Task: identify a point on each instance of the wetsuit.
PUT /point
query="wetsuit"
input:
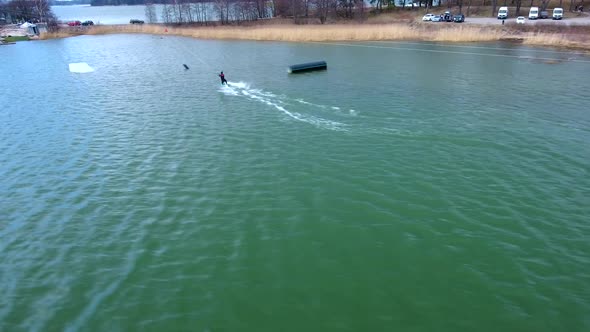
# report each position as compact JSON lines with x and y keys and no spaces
{"x":223,"y":80}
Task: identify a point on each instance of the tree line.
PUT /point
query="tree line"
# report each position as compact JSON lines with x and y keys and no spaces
{"x":32,"y":11}
{"x":236,"y":11}
{"x":119,"y":2}
{"x":304,"y":10}
{"x":68,"y":2}
{"x":207,"y":11}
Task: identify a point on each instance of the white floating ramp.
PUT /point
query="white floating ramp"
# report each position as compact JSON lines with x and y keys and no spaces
{"x":80,"y":67}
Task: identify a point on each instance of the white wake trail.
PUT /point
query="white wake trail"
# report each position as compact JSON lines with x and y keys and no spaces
{"x":270,"y":99}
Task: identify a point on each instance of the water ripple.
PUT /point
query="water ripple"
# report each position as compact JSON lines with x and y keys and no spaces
{"x":145,"y":196}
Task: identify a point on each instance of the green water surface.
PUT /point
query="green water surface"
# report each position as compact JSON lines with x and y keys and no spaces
{"x":410,"y":187}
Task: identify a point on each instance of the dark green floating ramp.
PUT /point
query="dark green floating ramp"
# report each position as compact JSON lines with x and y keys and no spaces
{"x":310,"y":66}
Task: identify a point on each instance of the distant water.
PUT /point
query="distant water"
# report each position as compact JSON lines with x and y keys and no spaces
{"x":410,"y":187}
{"x":103,"y":14}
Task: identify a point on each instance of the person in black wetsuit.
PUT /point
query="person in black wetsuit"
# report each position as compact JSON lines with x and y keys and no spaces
{"x":223,"y":80}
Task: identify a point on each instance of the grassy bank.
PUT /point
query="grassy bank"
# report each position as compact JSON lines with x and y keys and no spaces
{"x":13,"y":39}
{"x":576,"y":38}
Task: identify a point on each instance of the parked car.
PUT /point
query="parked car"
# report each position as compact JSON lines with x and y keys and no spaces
{"x":86,"y":23}
{"x":534,"y":13}
{"x":544,"y":14}
{"x":503,"y":13}
{"x":557,"y":13}
{"x":459,"y":18}
{"x":74,"y":23}
{"x":520,"y":20}
{"x":448,"y":17}
{"x":436,"y":19}
{"x":134,"y":21}
{"x":428,"y":17}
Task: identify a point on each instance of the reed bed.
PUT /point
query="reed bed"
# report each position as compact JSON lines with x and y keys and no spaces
{"x":342,"y":32}
{"x":556,"y":40}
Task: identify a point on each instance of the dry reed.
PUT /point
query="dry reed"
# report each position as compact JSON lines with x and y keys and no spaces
{"x":341,"y":32}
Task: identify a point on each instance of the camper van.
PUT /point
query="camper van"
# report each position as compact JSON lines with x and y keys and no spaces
{"x":503,"y":13}
{"x":557,"y":13}
{"x":534,"y":13}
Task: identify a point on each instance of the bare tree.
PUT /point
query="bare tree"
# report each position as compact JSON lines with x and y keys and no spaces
{"x":44,"y":14}
{"x":4,"y":14}
{"x":518,"y":4}
{"x":167,"y":13}
{"x":360,"y":9}
{"x":202,"y":11}
{"x":323,"y":8}
{"x":244,"y":10}
{"x":150,"y":13}
{"x":306,"y":5}
{"x":41,"y":9}
{"x":348,"y":7}
{"x":177,"y":12}
{"x":29,"y":11}
{"x":222,"y":7}
{"x":281,"y":8}
{"x":297,"y":10}
{"x":261,"y":8}
{"x":21,"y":10}
{"x":185,"y":9}
{"x":34,"y":11}
{"x":378,"y":4}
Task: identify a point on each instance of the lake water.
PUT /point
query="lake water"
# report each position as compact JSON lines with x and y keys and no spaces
{"x":410,"y":187}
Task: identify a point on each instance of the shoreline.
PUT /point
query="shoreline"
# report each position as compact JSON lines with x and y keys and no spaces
{"x":573,"y":37}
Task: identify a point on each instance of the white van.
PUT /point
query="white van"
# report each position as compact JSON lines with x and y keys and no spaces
{"x":557,"y":13}
{"x":503,"y":13}
{"x":534,"y":13}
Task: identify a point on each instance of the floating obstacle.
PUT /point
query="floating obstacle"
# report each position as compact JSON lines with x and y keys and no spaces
{"x":80,"y":67}
{"x":310,"y":66}
{"x":185,"y":66}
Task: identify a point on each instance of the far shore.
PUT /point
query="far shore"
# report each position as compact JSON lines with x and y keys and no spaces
{"x":574,"y":37}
